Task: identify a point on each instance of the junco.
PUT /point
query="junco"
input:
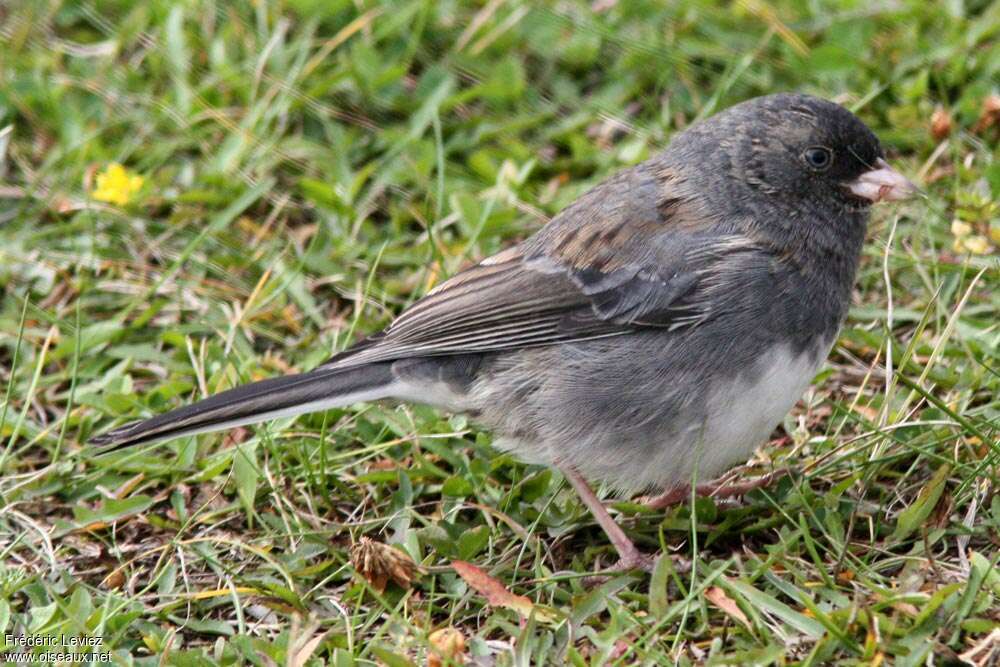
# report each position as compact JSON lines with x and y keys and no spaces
{"x":660,"y":325}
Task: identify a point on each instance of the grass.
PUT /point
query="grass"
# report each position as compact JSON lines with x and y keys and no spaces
{"x":308,"y":168}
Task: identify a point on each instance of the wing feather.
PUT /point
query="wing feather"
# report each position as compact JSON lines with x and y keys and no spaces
{"x":629,"y":254}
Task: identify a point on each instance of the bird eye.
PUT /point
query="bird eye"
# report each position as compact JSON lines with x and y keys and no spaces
{"x":818,"y":157}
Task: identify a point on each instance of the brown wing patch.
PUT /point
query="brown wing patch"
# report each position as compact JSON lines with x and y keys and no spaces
{"x":626,"y":254}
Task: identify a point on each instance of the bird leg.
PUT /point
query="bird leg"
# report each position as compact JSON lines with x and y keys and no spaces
{"x":630,"y":558}
{"x":714,"y":489}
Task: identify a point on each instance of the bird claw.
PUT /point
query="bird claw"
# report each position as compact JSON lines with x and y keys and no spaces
{"x":717,"y":490}
{"x":635,"y":561}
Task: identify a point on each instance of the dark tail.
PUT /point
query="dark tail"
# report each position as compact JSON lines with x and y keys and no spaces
{"x":285,"y":396}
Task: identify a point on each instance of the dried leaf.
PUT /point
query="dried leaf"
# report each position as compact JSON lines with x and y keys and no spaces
{"x":941,"y":123}
{"x":114,"y":580}
{"x":495,"y":592}
{"x":990,"y":115}
{"x":868,"y":412}
{"x":378,"y":562}
{"x":446,"y":644}
{"x":383,"y":464}
{"x":846,"y":576}
{"x":718,"y":597}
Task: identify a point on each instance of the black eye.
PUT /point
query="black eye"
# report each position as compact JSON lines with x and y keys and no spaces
{"x":818,"y":157}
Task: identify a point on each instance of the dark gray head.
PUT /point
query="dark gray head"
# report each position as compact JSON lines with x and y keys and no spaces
{"x":810,"y":154}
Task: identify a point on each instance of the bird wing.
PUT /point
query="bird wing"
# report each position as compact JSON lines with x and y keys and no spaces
{"x":628,"y":254}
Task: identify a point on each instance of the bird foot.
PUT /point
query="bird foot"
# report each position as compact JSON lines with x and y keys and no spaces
{"x":635,"y":561}
{"x":712,"y":489}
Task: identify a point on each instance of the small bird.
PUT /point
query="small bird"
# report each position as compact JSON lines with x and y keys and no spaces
{"x":656,"y":329}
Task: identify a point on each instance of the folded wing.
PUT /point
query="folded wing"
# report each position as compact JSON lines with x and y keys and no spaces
{"x":628,"y":254}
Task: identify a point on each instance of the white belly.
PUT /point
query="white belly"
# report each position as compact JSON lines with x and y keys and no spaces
{"x":743,"y":413}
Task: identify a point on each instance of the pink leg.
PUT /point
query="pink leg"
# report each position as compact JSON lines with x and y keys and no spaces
{"x":714,"y":489}
{"x":630,"y":557}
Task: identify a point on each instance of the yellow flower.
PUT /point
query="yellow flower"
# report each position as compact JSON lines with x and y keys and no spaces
{"x":960,"y":229}
{"x":116,"y":185}
{"x":977,"y":245}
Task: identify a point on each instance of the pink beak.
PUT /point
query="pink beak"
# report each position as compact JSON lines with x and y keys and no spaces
{"x":883,"y":183}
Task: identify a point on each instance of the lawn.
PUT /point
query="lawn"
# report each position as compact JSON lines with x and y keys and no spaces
{"x":196,"y":194}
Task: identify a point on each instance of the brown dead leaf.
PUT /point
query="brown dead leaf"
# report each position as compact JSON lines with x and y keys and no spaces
{"x":868,"y":412}
{"x":990,"y":115}
{"x":941,"y":123}
{"x":906,"y":608}
{"x":93,"y":527}
{"x":446,"y":644}
{"x":720,"y":599}
{"x":495,"y":592}
{"x":383,"y":464}
{"x":114,"y":580}
{"x":378,"y":562}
